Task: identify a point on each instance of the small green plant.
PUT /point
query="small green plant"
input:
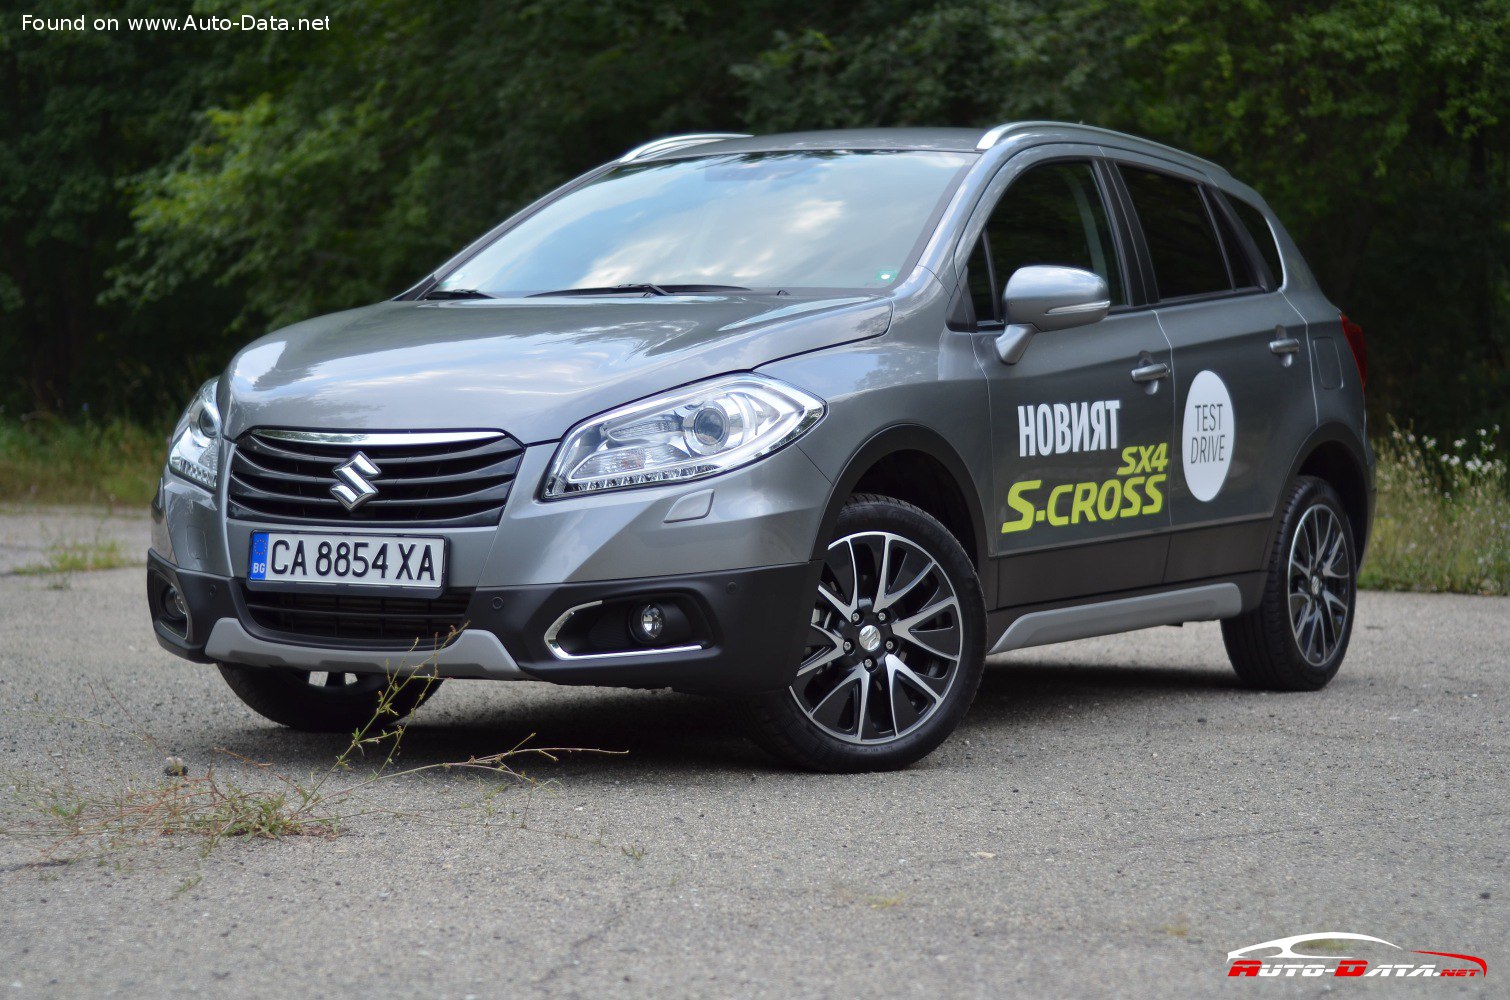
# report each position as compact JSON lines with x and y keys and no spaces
{"x":77,"y":821}
{"x":73,"y":821}
{"x":81,"y":557}
{"x":1443,"y":519}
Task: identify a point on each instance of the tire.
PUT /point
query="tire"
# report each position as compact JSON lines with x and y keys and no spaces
{"x":326,"y":703}
{"x":1296,"y":638}
{"x":842,"y":715}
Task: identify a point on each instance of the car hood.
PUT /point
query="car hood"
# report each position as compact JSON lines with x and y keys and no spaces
{"x":532,"y":368}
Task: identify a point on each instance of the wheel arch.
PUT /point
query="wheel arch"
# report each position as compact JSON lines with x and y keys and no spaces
{"x":917,"y":465}
{"x":1337,"y":455}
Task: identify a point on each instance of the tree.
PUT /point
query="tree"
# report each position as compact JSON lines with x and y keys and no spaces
{"x":411,"y":129}
{"x":164,"y":196}
{"x":1376,"y":129}
{"x":82,"y":111}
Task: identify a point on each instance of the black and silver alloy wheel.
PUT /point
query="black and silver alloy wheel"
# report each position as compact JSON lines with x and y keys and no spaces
{"x":1321,"y":583}
{"x":884,"y":641}
{"x":894,"y":648}
{"x":1297,"y":636}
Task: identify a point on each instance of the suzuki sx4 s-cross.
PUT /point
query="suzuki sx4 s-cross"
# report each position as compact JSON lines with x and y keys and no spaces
{"x":814,"y":421}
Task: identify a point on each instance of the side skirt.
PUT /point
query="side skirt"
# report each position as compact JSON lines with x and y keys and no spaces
{"x":1082,"y":621}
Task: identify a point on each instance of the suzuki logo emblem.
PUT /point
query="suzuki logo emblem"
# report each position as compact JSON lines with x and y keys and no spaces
{"x":353,"y":490}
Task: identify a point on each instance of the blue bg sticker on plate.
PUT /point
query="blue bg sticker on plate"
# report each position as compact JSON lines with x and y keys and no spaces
{"x":258,"y":568}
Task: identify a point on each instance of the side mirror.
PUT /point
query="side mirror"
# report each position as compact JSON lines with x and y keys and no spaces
{"x":1045,"y":297}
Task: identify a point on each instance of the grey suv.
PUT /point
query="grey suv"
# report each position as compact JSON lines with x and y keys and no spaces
{"x":816,"y":421}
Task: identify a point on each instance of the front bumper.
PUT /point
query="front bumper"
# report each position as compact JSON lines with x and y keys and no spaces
{"x":733,"y":552}
{"x":749,"y":636}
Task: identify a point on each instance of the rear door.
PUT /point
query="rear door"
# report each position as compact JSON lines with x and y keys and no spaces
{"x":1243,"y":401}
{"x":1080,"y":447}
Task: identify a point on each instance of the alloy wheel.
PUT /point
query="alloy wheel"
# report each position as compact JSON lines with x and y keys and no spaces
{"x":884,"y":640}
{"x":1321,"y":583}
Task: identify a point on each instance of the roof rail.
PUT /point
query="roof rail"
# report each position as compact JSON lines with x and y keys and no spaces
{"x":995,"y":135}
{"x":677,"y":142}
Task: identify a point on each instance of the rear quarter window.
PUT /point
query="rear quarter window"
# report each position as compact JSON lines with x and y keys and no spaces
{"x":1186,"y":255}
{"x":1263,"y":237}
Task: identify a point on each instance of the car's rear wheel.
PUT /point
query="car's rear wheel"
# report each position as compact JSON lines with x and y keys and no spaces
{"x":895,"y":646}
{"x":320,"y":702}
{"x":1296,"y":638}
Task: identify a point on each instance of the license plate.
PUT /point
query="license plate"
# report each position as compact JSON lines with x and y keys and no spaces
{"x":362,"y":560}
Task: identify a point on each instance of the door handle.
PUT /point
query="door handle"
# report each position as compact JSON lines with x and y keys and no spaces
{"x":1285,"y":345}
{"x":1150,"y":373}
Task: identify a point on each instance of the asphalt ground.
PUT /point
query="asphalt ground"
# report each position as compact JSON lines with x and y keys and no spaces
{"x":1113,"y":818}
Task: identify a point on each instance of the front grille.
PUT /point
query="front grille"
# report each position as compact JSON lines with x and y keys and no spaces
{"x":441,"y":479}
{"x":397,"y":623}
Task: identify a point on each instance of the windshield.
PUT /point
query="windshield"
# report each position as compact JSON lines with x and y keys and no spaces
{"x":786,"y":220}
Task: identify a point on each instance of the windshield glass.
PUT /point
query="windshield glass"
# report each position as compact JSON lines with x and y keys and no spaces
{"x":785,"y":220}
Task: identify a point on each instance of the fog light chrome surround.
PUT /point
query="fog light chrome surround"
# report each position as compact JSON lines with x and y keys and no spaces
{"x":553,"y":635}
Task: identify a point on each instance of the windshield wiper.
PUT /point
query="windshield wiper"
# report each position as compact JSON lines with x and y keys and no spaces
{"x":456,"y":293}
{"x":646,"y":287}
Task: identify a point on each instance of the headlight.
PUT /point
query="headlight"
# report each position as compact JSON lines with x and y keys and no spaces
{"x":195,"y":449}
{"x":682,"y":435}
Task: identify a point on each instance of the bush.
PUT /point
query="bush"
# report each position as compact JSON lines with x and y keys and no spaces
{"x":45,"y":460}
{"x":1443,"y":522}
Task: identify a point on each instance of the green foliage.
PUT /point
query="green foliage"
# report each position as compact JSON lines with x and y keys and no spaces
{"x":166,"y":196}
{"x":51,"y":461}
{"x":1378,"y":131}
{"x":82,"y":112}
{"x":1443,"y":522}
{"x":414,"y":128}
{"x":966,"y":62}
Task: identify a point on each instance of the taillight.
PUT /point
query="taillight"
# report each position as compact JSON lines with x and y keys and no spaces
{"x":1354,"y":334}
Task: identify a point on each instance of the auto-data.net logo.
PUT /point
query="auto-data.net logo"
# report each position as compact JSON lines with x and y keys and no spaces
{"x":1286,"y":961}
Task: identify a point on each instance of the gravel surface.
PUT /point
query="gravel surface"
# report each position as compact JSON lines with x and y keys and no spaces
{"x":1114,"y":817}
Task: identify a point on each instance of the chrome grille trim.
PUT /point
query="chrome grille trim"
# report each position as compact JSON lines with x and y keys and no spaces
{"x":379,"y":439}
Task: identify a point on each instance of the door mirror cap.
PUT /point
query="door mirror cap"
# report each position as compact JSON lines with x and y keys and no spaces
{"x":1043,"y":297}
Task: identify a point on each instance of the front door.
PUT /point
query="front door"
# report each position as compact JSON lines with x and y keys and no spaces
{"x":1081,"y":448}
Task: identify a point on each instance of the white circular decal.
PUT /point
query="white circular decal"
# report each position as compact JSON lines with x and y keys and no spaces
{"x":1210,"y":430}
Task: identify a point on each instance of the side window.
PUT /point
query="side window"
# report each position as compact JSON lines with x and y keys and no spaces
{"x":1187,"y":259}
{"x":1053,"y":214}
{"x":1263,"y":237}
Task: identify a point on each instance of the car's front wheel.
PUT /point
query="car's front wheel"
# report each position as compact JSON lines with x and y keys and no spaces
{"x":318,"y":702}
{"x":895,"y":646}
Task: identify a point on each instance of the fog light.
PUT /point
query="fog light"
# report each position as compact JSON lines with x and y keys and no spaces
{"x":174,"y":608}
{"x":649,"y":622}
